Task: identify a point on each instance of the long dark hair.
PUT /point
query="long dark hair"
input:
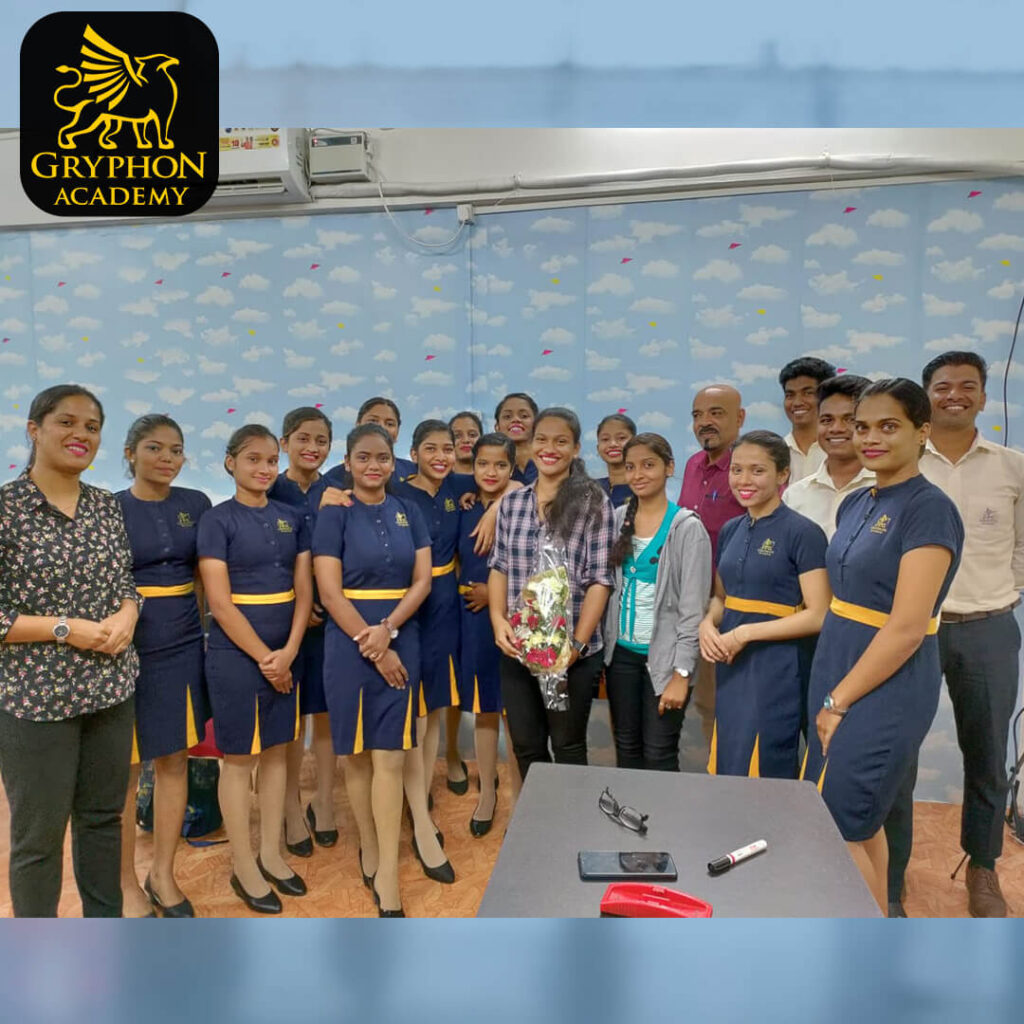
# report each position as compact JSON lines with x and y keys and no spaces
{"x":663,"y":450}
{"x":578,"y":495}
{"x":142,"y":428}
{"x":47,"y":400}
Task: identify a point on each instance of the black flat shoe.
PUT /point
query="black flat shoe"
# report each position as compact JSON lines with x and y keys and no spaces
{"x":442,"y":873}
{"x":462,"y":787}
{"x":326,"y":838}
{"x":381,"y":912}
{"x":367,"y":879}
{"x":269,"y":904}
{"x":182,"y":909}
{"x":293,"y":886}
{"x":480,"y":828}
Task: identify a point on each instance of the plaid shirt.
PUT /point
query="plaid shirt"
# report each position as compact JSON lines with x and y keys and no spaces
{"x":588,"y":548}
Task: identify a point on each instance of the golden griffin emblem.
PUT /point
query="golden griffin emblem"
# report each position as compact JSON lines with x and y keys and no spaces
{"x":117,"y":89}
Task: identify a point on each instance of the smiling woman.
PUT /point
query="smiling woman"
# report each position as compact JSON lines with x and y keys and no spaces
{"x":68,"y":609}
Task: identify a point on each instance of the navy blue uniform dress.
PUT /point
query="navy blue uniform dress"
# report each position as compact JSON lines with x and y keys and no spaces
{"x":479,"y":657}
{"x":309,"y":663}
{"x":526,"y":475}
{"x":260,"y":546}
{"x":171,"y":703}
{"x":439,"y":614}
{"x":377,"y":547}
{"x":760,"y":698}
{"x":875,"y":743}
{"x":619,"y":493}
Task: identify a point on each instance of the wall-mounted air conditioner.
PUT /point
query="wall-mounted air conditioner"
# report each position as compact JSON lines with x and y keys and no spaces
{"x":337,"y":156}
{"x":263,"y":165}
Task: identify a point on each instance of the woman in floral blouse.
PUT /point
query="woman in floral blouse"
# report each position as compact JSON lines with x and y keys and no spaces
{"x":68,"y":608}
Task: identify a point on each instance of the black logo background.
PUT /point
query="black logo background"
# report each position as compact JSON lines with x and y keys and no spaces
{"x":193,"y":128}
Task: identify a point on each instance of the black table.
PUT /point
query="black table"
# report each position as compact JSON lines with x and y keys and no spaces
{"x":805,"y":872}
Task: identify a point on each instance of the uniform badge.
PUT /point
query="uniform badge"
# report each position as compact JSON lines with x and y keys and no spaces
{"x":989,"y":517}
{"x":400,"y":519}
{"x":184,"y":519}
{"x":283,"y":526}
{"x":881,"y":524}
{"x":449,"y":505}
{"x":767,"y":547}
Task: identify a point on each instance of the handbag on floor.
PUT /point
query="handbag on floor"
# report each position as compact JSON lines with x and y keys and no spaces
{"x":202,"y":811}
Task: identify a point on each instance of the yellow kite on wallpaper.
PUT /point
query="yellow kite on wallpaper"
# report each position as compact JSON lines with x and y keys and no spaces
{"x":143,"y":88}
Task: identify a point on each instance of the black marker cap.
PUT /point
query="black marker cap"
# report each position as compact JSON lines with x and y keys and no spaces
{"x":719,"y":866}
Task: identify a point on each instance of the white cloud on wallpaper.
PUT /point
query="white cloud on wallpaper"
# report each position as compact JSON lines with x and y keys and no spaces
{"x":307,"y":391}
{"x":640,"y":383}
{"x":722,"y":229}
{"x":880,"y":303}
{"x":7,"y":294}
{"x":770,"y":254}
{"x":165,"y":296}
{"x":433,"y":234}
{"x":438,"y":271}
{"x":758,"y":216}
{"x":761,"y":293}
{"x":832,"y":284}
{"x":170,"y":260}
{"x":556,"y":264}
{"x":1004,"y":242}
{"x":957,"y":220}
{"x":141,"y":376}
{"x":173,"y":357}
{"x":557,"y":336}
{"x":304,"y":330}
{"x":87,"y":291}
{"x":431,"y":307}
{"x":491,"y":284}
{"x":51,"y":304}
{"x":747,"y":373}
{"x":815,"y":318}
{"x":543,"y":301}
{"x":385,"y":255}
{"x":648,"y":230}
{"x":13,"y":324}
{"x":597,"y":361}
{"x":303,"y":287}
{"x":1013,"y":201}
{"x":553,"y":225}
{"x":652,"y":305}
{"x":10,"y":261}
{"x":12,"y":359}
{"x":764,"y":335}
{"x":654,"y":421}
{"x":953,"y":342}
{"x":613,"y":284}
{"x":84,"y":323}
{"x":718,"y":316}
{"x":340,"y":379}
{"x":256,"y":352}
{"x":242,"y":247}
{"x":654,"y":348}
{"x":210,"y":368}
{"x":880,"y":258}
{"x":832,"y":353}
{"x":888,"y":218}
{"x":832,"y":234}
{"x":215,"y":296}
{"x":957,"y":270}
{"x":137,"y":240}
{"x":1006,"y":289}
{"x":991,"y":330}
{"x":254,"y":282}
{"x":439,"y":343}
{"x":297,"y":361}
{"x":935,"y":306}
{"x":213,"y":259}
{"x":616,"y":244}
{"x":610,"y":212}
{"x":718,"y":270}
{"x":248,"y":315}
{"x":552,"y":373}
{"x":383,"y":292}
{"x":699,"y":350}
{"x":182,"y":327}
{"x":611,"y":329}
{"x":867,"y":341}
{"x":763,"y":412}
{"x":346,"y":346}
{"x":54,"y":343}
{"x":660,"y":268}
{"x":339,"y":307}
{"x":332,"y":239}
{"x":218,"y":336}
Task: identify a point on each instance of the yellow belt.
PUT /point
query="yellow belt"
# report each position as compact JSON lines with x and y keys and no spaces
{"x":179,"y":590}
{"x":375,"y":595}
{"x":743,"y":604}
{"x":282,"y":597}
{"x":443,"y":570}
{"x":869,"y":617}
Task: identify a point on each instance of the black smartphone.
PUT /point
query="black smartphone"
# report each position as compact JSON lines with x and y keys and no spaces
{"x":639,"y":866}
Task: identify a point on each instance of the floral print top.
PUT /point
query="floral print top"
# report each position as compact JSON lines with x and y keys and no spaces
{"x":52,"y":565}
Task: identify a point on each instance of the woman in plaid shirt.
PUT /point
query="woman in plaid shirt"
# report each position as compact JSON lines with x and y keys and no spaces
{"x":566,"y":503}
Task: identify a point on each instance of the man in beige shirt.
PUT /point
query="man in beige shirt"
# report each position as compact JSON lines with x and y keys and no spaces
{"x":979,"y":640}
{"x":819,"y":495}
{"x":799,"y":379}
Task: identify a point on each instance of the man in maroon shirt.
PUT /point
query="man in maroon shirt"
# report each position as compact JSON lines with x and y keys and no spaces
{"x":718,"y":415}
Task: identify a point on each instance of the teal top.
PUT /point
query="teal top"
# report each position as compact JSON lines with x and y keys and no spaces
{"x":639,"y":576}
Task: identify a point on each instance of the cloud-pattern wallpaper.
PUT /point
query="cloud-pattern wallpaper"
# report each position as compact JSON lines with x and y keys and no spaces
{"x":627,"y":307}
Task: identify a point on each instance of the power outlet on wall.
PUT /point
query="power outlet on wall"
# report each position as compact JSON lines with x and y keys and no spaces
{"x":465,"y":213}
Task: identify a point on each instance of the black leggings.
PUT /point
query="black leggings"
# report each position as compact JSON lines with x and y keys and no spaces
{"x":531,"y":725}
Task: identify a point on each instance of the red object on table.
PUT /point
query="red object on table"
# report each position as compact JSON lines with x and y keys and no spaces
{"x":206,"y":747}
{"x":641,"y":899}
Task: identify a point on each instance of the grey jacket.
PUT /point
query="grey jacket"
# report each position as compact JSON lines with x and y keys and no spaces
{"x":681,"y":596}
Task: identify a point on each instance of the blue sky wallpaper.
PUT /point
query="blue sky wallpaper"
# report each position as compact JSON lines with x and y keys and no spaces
{"x":617,"y":307}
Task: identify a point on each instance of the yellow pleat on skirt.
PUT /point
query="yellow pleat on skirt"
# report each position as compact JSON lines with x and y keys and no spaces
{"x":298,"y":717}
{"x":257,"y":746}
{"x":407,"y":732}
{"x":754,"y":769}
{"x":191,"y":734}
{"x":357,"y":746}
{"x":135,"y":747}
{"x":476,"y":696}
{"x":453,"y":685}
{"x":423,"y":703}
{"x":713,"y":755}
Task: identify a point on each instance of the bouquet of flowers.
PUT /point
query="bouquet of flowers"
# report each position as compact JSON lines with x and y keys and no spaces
{"x":543,"y":624}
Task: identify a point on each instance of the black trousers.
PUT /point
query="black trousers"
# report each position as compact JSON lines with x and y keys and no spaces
{"x":643,"y":738}
{"x":980,"y":662}
{"x":75,"y":769}
{"x":531,"y":726}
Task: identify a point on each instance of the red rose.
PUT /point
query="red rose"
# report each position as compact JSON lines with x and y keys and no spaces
{"x":560,"y":622}
{"x":516,"y":620}
{"x":532,"y":621}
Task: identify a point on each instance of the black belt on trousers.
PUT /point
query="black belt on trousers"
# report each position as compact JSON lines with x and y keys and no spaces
{"x":975,"y":616}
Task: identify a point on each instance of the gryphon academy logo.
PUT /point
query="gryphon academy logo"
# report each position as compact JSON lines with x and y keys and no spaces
{"x":119,"y":114}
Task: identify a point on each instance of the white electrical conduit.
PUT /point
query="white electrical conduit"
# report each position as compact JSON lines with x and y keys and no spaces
{"x":824,"y":164}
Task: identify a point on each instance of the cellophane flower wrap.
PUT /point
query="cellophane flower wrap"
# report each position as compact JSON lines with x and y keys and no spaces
{"x":543,"y":623}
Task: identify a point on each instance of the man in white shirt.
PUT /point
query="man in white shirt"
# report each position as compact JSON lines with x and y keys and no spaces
{"x":979,"y":640}
{"x":799,"y":380}
{"x":819,"y":495}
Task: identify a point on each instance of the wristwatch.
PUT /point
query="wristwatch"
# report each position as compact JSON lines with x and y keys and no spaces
{"x":832,"y":707}
{"x":580,"y":647}
{"x":392,"y":632}
{"x":61,"y":631}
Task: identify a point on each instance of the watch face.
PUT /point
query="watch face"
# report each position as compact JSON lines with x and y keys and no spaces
{"x":62,"y":631}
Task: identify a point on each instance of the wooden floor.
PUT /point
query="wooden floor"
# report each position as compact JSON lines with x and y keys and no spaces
{"x":336,"y":889}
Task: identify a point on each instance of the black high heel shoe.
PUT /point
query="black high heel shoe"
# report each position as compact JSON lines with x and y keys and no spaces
{"x":460,"y":788}
{"x":381,"y":912}
{"x":328,"y":837}
{"x":367,"y":879}
{"x":303,"y":848}
{"x":182,"y":909}
{"x":442,"y":873}
{"x":269,"y":904}
{"x":480,"y":828}
{"x":293,"y":886}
